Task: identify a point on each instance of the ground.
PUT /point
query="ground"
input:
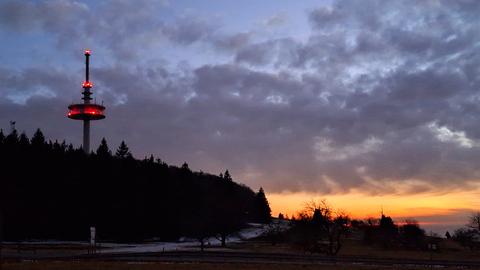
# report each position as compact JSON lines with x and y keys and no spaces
{"x":186,"y":255}
{"x":448,"y":250}
{"x":183,"y":266}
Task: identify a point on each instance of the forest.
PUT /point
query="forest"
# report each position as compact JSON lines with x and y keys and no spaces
{"x":52,"y":190}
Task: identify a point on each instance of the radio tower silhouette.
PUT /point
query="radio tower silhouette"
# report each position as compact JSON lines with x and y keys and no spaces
{"x":86,"y":111}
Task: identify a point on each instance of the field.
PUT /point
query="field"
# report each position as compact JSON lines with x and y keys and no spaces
{"x":448,"y":250}
{"x":239,"y":256}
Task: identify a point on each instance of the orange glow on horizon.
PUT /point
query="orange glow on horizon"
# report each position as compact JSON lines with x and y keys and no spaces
{"x":361,"y":206}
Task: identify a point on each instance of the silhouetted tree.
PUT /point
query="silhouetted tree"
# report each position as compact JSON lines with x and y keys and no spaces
{"x":231,"y":215}
{"x":318,"y":230}
{"x":57,"y":147}
{"x":448,"y":235}
{"x":381,"y":231}
{"x":12,"y":138}
{"x":411,"y":235}
{"x":103,"y":151}
{"x":23,"y":140}
{"x":150,"y":160}
{"x":199,"y":225}
{"x":474,"y":221}
{"x":261,"y":211}
{"x":467,"y":238}
{"x":275,"y":232}
{"x":370,"y":229}
{"x":227,"y":176}
{"x":387,"y":231}
{"x":38,"y":140}
{"x":123,"y":151}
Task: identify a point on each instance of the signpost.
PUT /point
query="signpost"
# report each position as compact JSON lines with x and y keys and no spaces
{"x":92,"y":240}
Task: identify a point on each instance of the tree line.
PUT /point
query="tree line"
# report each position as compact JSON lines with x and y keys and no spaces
{"x":469,"y":236}
{"x":318,"y":228}
{"x":52,"y":190}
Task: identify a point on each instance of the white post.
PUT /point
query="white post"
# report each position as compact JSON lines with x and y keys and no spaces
{"x":92,"y":240}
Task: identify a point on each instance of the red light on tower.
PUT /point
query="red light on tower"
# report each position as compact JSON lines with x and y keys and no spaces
{"x":86,"y":111}
{"x":87,"y":84}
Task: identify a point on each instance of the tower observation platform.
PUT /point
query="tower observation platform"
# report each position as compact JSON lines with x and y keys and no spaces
{"x":86,"y":111}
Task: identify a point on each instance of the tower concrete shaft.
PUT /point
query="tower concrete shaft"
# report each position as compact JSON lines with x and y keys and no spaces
{"x":86,"y":136}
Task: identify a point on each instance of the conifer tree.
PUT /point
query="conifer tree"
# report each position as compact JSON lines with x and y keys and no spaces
{"x":38,"y":139}
{"x":70,"y":148}
{"x":12,"y":138}
{"x":23,"y":141}
{"x":57,"y":146}
{"x":261,"y":208}
{"x":103,"y":150}
{"x":388,"y":231}
{"x":227,"y":176}
{"x":123,"y":151}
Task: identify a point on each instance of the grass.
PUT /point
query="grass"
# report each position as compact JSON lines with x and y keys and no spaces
{"x":448,"y":250}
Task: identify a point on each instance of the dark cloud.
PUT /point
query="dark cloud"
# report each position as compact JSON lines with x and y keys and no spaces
{"x":189,"y":30}
{"x":233,"y":42}
{"x":256,"y":54}
{"x":17,"y":15}
{"x":380,"y":97}
{"x":120,"y":27}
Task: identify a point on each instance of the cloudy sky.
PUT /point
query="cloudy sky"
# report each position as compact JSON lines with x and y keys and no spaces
{"x":375,"y":102}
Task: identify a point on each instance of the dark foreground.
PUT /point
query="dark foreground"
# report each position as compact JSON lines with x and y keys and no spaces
{"x":56,"y":265}
{"x":226,"y":260}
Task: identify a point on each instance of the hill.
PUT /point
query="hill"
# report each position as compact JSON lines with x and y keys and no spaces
{"x":51,"y":190}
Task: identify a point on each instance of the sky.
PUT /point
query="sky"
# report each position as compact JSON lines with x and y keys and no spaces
{"x":369,"y":104}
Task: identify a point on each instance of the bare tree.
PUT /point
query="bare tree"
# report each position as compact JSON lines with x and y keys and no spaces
{"x":469,"y":236}
{"x":474,"y":221}
{"x":275,"y":231}
{"x":466,"y":238}
{"x":320,"y":229}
